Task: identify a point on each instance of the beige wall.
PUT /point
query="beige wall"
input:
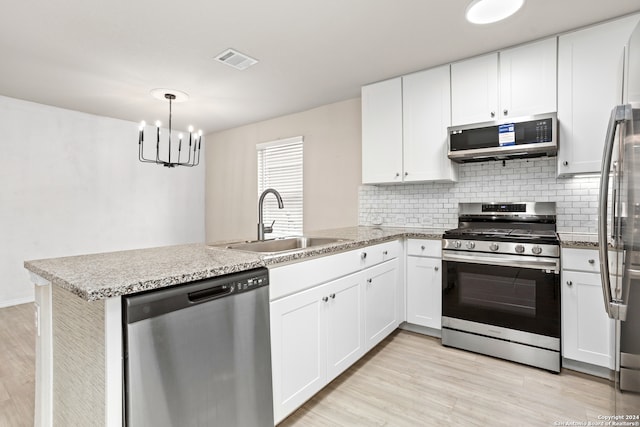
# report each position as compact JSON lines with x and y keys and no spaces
{"x":332,"y":170}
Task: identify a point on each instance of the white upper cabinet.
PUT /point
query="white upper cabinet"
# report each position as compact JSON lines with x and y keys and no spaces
{"x":382,"y":132}
{"x":404,"y":129}
{"x":474,"y":90}
{"x":514,"y":82}
{"x":590,"y":75}
{"x":528,"y":79}
{"x":426,"y":114}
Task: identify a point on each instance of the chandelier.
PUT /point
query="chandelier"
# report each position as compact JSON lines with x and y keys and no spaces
{"x":191,"y":157}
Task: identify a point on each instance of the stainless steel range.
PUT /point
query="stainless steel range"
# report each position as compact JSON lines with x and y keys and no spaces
{"x":501,"y":282}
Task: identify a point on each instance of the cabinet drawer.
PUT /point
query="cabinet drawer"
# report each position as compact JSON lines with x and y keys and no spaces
{"x":581,"y":260}
{"x":424,"y":247}
{"x":584,"y":260}
{"x":372,"y":255}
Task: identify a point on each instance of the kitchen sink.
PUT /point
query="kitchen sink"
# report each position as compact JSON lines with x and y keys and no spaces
{"x":281,"y":245}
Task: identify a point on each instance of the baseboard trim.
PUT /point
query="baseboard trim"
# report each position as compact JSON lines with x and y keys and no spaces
{"x":16,"y":301}
{"x":588,"y":368}
{"x":421,"y":329}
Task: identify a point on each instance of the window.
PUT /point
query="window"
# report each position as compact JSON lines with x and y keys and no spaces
{"x":280,"y":168}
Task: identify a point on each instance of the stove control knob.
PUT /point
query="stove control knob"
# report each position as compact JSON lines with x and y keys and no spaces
{"x":519,"y":249}
{"x":471,"y":245}
{"x":537,"y":250}
{"x":457,"y":244}
{"x":493,"y":247}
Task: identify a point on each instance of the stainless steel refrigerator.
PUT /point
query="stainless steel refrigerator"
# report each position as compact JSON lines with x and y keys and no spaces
{"x":619,"y":231}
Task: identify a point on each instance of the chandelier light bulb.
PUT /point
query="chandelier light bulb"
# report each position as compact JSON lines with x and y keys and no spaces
{"x":142,"y":125}
{"x":190,"y":129}
{"x":158,"y":123}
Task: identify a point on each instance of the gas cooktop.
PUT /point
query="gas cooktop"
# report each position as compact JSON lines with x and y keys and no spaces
{"x":512,"y":233}
{"x":526,"y":222}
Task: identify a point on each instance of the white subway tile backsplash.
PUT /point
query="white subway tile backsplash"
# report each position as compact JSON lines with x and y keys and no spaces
{"x":436,"y":204}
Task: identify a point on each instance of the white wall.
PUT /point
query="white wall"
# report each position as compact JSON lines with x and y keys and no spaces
{"x":71,"y":184}
{"x":332,"y":171}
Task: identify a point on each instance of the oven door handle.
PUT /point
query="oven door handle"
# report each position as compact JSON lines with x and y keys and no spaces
{"x":546,"y":264}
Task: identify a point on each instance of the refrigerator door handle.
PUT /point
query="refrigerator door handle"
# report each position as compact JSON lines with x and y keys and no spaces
{"x":619,"y":115}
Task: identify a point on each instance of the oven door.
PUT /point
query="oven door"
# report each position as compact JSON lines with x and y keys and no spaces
{"x":509,"y":291}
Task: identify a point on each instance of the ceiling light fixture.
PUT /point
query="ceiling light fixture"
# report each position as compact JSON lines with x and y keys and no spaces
{"x":195,"y":139}
{"x":490,"y":11}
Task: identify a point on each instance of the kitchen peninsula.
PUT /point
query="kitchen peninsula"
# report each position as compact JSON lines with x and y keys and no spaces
{"x":79,"y":343}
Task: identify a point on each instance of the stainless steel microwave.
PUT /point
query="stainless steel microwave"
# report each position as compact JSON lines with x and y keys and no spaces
{"x":530,"y":136}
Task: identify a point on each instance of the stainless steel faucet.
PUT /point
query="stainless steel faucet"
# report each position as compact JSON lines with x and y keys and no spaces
{"x":262,"y":229}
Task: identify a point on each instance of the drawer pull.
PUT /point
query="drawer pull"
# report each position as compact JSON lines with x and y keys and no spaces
{"x":591,"y":261}
{"x":363,"y":255}
{"x":333,"y":296}
{"x":325,"y":299}
{"x":423,"y":247}
{"x":385,"y":253}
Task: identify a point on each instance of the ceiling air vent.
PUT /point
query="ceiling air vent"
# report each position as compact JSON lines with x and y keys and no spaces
{"x":235,"y":59}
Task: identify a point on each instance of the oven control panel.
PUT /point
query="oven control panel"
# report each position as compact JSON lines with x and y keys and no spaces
{"x":521,"y":248}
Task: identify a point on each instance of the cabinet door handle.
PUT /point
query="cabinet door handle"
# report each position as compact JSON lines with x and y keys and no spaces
{"x":363,"y":255}
{"x":333,"y":296}
{"x":406,"y":173}
{"x":569,"y":283}
{"x":397,"y":174}
{"x":505,"y":112}
{"x":369,"y":280}
{"x":565,"y":163}
{"x":592,"y":261}
{"x":493,"y":114}
{"x":436,"y":268}
{"x":325,"y":299}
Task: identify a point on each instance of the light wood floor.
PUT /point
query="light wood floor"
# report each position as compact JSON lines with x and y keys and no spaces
{"x":408,"y":380}
{"x":412,"y":380}
{"x":17,"y":365}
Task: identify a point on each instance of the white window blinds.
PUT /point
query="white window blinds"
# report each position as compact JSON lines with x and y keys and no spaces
{"x":280,"y":168}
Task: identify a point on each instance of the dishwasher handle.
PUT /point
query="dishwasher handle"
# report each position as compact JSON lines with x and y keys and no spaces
{"x":209,"y":294}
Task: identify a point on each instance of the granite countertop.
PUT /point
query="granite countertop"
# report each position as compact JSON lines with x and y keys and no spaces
{"x":104,"y":275}
{"x":578,"y":240}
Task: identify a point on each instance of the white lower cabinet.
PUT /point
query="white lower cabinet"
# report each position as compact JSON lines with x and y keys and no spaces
{"x":298,"y":346}
{"x":319,"y":332}
{"x":315,"y":335}
{"x":587,"y":331}
{"x":344,"y":324}
{"x":424,"y":283}
{"x":381,"y":304}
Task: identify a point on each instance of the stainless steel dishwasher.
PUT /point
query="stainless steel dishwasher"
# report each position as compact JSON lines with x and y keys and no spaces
{"x":199,"y":354}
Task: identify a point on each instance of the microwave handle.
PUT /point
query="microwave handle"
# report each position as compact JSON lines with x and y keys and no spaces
{"x":619,"y":115}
